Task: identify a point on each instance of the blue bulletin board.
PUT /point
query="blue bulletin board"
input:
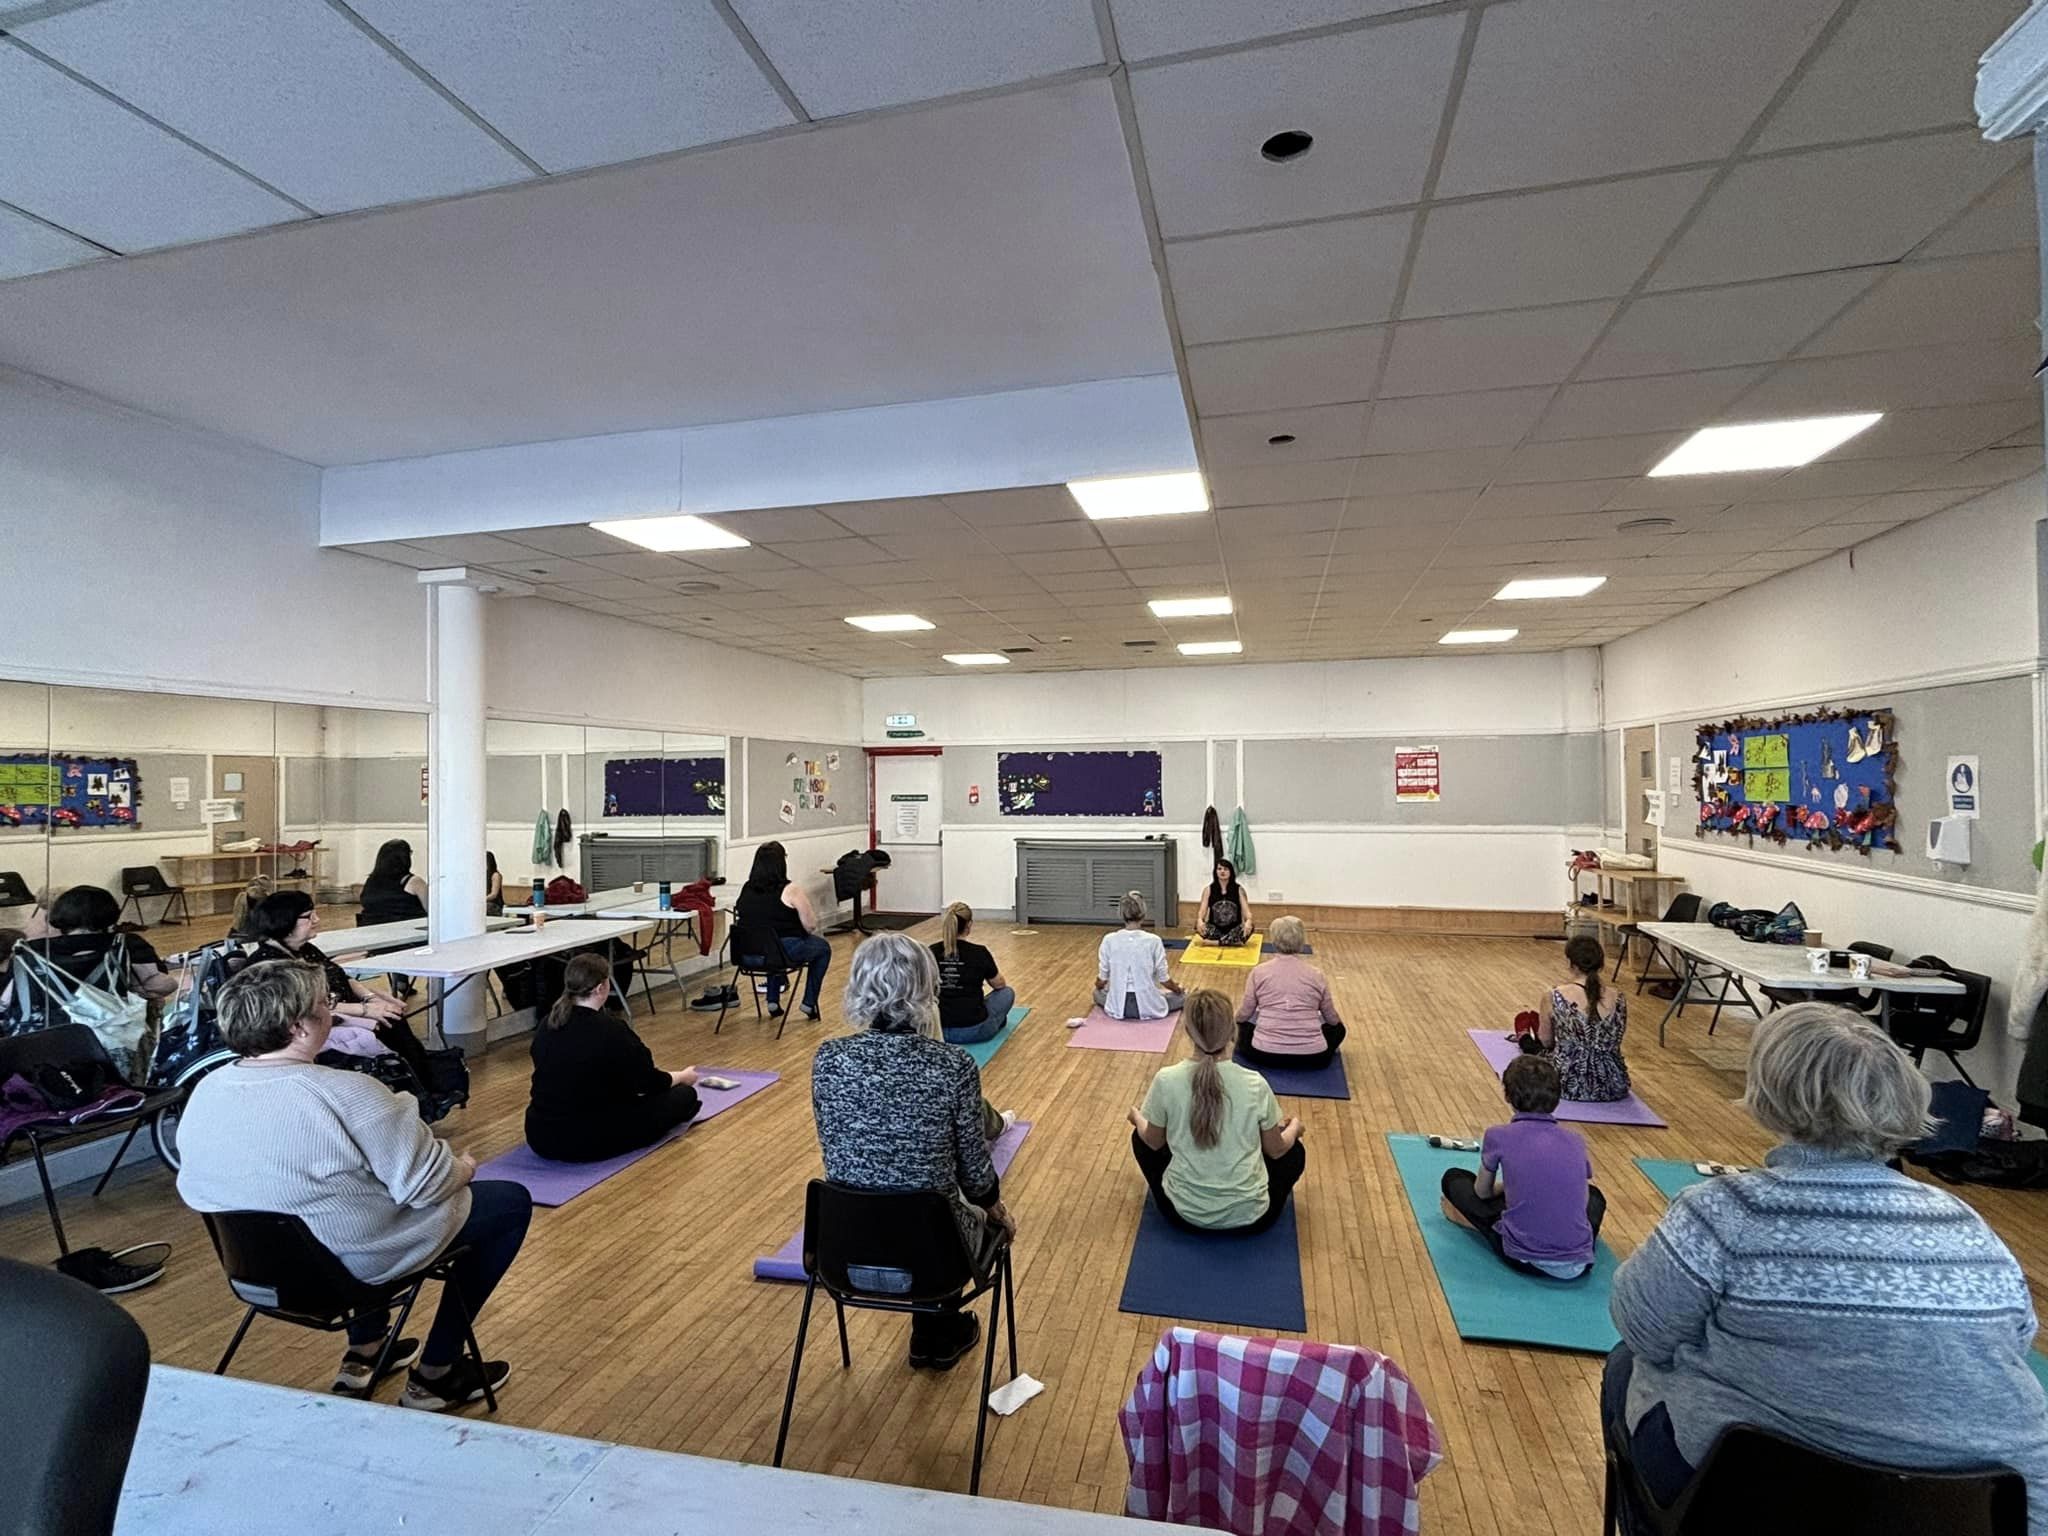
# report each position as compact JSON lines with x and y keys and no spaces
{"x":664,"y":786}
{"x":38,"y":790}
{"x":1109,"y":784}
{"x":1828,"y":779}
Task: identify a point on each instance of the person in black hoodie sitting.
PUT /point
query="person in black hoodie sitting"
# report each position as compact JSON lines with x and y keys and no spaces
{"x":596,"y":1090}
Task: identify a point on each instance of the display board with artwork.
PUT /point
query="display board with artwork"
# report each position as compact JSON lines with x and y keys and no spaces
{"x":1104,"y":784}
{"x":37,"y":789}
{"x":664,"y":786}
{"x":1828,"y":778}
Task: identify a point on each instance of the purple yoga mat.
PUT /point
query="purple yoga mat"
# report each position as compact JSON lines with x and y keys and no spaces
{"x":1499,"y":1051}
{"x":552,"y":1183}
{"x":1100,"y":1032}
{"x":787,"y":1262}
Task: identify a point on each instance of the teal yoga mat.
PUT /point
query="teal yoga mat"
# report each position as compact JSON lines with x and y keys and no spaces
{"x":1488,"y":1300}
{"x":982,"y":1050}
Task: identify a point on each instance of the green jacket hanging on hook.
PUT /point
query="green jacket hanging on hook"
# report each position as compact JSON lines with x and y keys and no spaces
{"x":1239,"y":841}
{"x":543,"y":839}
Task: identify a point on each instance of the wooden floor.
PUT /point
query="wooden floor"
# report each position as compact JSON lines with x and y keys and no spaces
{"x":631,"y":1314}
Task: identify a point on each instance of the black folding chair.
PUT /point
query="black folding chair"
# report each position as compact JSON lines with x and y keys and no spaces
{"x":79,"y":1366}
{"x":1950,"y":1025}
{"x":72,"y":1046}
{"x":1762,"y":1484}
{"x":896,"y":1251}
{"x":1684,"y":908}
{"x":140,"y":880}
{"x":756,"y":954}
{"x":278,"y":1267}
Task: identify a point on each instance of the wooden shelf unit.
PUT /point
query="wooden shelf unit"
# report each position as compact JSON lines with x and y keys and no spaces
{"x":202,"y":875}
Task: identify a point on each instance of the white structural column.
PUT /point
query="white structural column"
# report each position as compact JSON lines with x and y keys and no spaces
{"x":455,"y":783}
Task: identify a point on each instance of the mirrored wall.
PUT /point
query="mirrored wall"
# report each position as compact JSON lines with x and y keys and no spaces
{"x":176,"y":803}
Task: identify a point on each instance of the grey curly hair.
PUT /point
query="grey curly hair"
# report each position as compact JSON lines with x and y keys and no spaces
{"x":893,"y":984}
{"x":1830,"y":1078}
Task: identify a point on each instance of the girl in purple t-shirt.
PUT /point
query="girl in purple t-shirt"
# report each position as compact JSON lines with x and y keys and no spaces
{"x":1533,"y":1198}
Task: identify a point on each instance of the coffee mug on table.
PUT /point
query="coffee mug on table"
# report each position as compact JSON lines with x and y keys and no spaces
{"x":1817,"y":961}
{"x":1859,"y":967}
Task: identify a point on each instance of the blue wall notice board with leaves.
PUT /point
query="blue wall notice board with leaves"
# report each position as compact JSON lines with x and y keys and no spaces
{"x":1826,"y":778}
{"x":38,"y":789}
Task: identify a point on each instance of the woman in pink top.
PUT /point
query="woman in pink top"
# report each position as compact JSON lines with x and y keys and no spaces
{"x":1287,"y":1018}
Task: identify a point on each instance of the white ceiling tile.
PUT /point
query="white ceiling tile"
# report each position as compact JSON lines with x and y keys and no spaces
{"x":1468,"y":352}
{"x":294,"y":94}
{"x":780,"y":525}
{"x":1829,"y":208}
{"x":1025,"y":504}
{"x":1853,"y":477}
{"x":27,"y":246}
{"x":1894,"y":66}
{"x":1319,"y":432}
{"x":834,"y":554}
{"x":1302,"y":520}
{"x":913,"y":514}
{"x":1964,"y":374}
{"x":1406,"y":474}
{"x":1588,"y":458}
{"x":1903,"y":506}
{"x":855,"y":55}
{"x":1320,"y":369}
{"x":1371,"y":98}
{"x":1036,"y":537}
{"x":644,"y":564}
{"x":1146,"y":29}
{"x":1716,"y":327}
{"x":577,"y":83}
{"x":1481,"y":419}
{"x":1928,"y":303}
{"x":1564,"y":90}
{"x":1637,"y":496}
{"x":570,"y":539}
{"x":397,"y":553}
{"x":1616,"y":407}
{"x":69,"y":155}
{"x":1556,"y":499}
{"x":1194,"y":531}
{"x":2002,"y":220}
{"x":1274,"y":282}
{"x":1277,"y":484}
{"x":1579,"y":243}
{"x":1992,"y":466}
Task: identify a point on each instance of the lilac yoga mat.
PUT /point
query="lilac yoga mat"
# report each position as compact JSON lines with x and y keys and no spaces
{"x":552,"y":1183}
{"x":1100,"y":1032}
{"x":787,"y":1262}
{"x":1499,"y":1051}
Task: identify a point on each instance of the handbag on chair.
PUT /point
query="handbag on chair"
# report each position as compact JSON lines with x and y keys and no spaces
{"x":120,"y":1019}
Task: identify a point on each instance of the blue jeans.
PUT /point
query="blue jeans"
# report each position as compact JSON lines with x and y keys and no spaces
{"x":1653,"y":1446}
{"x":1000,"y":1001}
{"x":811,"y":951}
{"x":499,"y":1212}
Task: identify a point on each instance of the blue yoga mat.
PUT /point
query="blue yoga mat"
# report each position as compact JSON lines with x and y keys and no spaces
{"x":1306,"y":949}
{"x":982,"y":1050}
{"x":1488,"y":1300}
{"x":1325,"y":1082}
{"x":1217,"y":1277}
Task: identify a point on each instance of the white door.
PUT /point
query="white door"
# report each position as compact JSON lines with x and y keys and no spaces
{"x":909,"y":796}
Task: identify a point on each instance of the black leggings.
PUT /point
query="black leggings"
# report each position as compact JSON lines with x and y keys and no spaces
{"x":641,"y":1123}
{"x":1282,"y":1174}
{"x":1485,"y":1214}
{"x":1333,"y":1036}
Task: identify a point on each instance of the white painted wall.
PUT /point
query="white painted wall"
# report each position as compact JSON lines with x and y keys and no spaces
{"x":1949,"y":598}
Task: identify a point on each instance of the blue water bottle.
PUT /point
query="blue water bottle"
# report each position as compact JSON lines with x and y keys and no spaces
{"x":662,"y":897}
{"x":540,"y":893}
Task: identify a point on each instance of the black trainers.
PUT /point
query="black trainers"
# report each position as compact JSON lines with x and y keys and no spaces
{"x":352,"y":1377}
{"x":111,"y":1274}
{"x":921,"y":1358}
{"x":461,"y":1383}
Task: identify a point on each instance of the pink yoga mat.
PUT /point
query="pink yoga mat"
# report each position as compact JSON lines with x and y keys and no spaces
{"x":1499,"y":1051}
{"x":787,"y":1262}
{"x":552,"y":1183}
{"x":1100,"y":1032}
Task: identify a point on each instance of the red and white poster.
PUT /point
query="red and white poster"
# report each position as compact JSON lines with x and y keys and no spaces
{"x":1418,"y":774}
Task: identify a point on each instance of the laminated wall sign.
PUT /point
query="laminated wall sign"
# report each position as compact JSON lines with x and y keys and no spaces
{"x":1418,"y":775}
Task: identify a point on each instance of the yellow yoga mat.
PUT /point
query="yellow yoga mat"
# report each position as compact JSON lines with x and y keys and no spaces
{"x":1245,"y":954}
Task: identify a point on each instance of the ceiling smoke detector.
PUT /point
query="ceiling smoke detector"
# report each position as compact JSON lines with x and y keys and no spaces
{"x":694,"y":588}
{"x":1647,"y":525}
{"x":1289,"y":145}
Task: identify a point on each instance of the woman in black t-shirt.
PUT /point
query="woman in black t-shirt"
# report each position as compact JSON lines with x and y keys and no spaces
{"x":964,"y":1013}
{"x":596,"y":1090}
{"x":393,"y":893}
{"x":284,"y":924}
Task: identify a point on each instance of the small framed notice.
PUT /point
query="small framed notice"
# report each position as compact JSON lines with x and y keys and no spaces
{"x":1418,"y":775}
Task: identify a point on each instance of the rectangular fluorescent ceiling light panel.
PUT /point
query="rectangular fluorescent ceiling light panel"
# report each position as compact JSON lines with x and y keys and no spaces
{"x":1189,"y":607}
{"x":888,"y":623}
{"x":668,"y":535}
{"x":1762,"y":445}
{"x":1141,"y":495}
{"x":1548,"y":586}
{"x":977,"y":659}
{"x":1478,"y":636}
{"x":1211,"y":647}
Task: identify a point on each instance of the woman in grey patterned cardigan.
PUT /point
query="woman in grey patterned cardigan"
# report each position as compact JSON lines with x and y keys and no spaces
{"x":899,"y":1109}
{"x":1825,"y":1297}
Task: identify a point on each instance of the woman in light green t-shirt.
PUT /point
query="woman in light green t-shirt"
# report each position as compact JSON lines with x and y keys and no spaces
{"x":1210,"y":1139}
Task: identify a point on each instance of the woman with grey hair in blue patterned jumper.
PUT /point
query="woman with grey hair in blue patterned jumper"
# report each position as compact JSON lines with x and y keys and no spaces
{"x":899,"y":1109}
{"x":1825,"y":1297}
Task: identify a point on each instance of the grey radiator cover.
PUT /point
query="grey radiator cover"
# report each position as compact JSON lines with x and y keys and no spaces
{"x":1061,"y":881}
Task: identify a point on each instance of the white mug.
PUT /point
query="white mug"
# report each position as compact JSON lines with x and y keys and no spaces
{"x":1859,"y":967}
{"x":1817,"y":961}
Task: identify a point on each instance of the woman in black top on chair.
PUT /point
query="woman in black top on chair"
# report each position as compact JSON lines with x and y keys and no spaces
{"x":284,"y":924}
{"x":596,"y":1090}
{"x":771,"y":903}
{"x":393,"y":893}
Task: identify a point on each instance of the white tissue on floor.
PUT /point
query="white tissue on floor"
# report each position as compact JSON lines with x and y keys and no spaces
{"x":1014,"y":1394}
